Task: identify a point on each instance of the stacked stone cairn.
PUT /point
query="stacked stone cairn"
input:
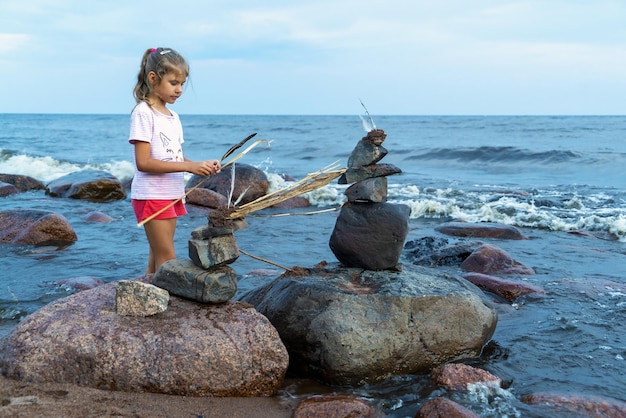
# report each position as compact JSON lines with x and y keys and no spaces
{"x":205,"y":277}
{"x":369,"y":232}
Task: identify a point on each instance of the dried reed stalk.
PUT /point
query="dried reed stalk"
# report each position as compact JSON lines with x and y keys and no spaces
{"x":264,"y":260}
{"x":312,"y":181}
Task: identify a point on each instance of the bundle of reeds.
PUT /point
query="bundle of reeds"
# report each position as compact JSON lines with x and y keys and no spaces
{"x":312,"y":181}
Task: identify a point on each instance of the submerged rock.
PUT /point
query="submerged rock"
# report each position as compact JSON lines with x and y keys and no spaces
{"x":432,"y":251}
{"x":7,"y":189}
{"x":335,"y":406}
{"x":35,"y":227}
{"x":577,"y":405}
{"x":456,"y":376}
{"x":444,"y":408}
{"x":480,"y":230}
{"x":353,"y":326}
{"x":508,"y":290}
{"x":22,"y":183}
{"x":489,"y":259}
{"x":97,"y":217}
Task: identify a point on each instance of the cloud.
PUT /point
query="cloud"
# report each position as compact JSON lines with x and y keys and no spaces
{"x":10,"y":42}
{"x":319,"y":56}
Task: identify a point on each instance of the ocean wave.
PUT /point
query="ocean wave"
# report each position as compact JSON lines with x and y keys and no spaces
{"x":554,"y":210}
{"x":549,"y":209}
{"x":496,"y":155}
{"x":46,"y":169}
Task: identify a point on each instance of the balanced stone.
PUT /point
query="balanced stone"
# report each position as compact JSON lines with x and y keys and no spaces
{"x":183,"y":278}
{"x":134,"y":298}
{"x":366,"y":153}
{"x":208,"y":231}
{"x":376,"y":136}
{"x":368,"y":190}
{"x":370,"y":235}
{"x":352,"y":174}
{"x":215,"y":251}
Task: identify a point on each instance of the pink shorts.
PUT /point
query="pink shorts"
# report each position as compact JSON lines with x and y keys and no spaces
{"x":146,"y":208}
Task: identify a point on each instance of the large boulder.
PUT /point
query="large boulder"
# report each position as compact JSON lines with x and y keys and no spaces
{"x":250,"y":182}
{"x":190,"y":349}
{"x":91,"y":185}
{"x":353,"y":326}
{"x":35,"y":227}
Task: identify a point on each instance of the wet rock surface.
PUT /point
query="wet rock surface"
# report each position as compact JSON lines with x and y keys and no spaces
{"x":190,"y":349}
{"x":90,"y":185}
{"x":353,"y":326}
{"x":35,"y":227}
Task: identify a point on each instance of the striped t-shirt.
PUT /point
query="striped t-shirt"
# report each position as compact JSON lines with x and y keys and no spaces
{"x":164,"y":133}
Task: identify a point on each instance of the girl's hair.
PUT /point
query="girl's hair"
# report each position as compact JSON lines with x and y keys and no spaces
{"x":160,"y":61}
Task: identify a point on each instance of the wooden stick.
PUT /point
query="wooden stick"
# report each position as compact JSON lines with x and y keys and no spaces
{"x":315,"y":212}
{"x":232,"y":160}
{"x":264,"y":260}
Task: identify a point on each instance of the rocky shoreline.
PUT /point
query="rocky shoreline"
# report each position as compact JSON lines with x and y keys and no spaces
{"x":346,"y":324}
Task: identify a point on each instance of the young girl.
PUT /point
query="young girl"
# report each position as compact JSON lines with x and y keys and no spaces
{"x":157,"y":136}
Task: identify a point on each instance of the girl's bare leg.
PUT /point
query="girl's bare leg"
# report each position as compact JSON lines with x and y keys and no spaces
{"x":150,"y":269}
{"x":160,"y":234}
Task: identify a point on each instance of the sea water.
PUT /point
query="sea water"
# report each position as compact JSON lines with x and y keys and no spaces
{"x":557,"y":178}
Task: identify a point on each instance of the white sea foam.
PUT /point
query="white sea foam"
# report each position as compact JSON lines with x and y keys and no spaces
{"x":329,"y":195}
{"x":44,"y":169}
{"x":618,"y":227}
{"x":492,"y":400}
{"x":510,"y":210}
{"x":123,"y":170}
{"x":277,"y":182}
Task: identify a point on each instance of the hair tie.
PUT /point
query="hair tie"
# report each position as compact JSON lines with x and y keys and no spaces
{"x":153,"y":50}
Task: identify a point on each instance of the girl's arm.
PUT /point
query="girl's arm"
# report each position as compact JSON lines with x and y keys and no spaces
{"x":151,"y":165}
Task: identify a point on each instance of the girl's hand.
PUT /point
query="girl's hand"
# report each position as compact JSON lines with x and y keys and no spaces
{"x":206,"y":168}
{"x":217,"y":167}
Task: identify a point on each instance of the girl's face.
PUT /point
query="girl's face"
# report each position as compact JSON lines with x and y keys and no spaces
{"x":169,"y":89}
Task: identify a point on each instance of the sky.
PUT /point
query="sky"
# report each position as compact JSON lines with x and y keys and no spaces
{"x":323,"y":57}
